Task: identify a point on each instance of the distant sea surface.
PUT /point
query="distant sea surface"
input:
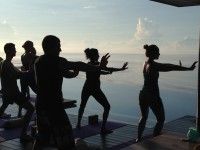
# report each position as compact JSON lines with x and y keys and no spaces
{"x":178,"y":89}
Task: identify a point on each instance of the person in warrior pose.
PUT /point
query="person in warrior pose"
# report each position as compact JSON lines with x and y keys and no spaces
{"x":10,"y":90}
{"x":50,"y":69}
{"x":149,"y":96}
{"x":27,"y":59}
{"x":92,"y":87}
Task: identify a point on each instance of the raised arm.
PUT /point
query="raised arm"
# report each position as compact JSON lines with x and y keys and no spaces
{"x":171,"y":67}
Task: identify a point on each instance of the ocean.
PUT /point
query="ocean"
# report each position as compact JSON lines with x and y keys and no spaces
{"x":178,"y":89}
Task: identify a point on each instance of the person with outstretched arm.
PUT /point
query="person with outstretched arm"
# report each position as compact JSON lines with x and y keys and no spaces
{"x":10,"y":90}
{"x":92,"y":87}
{"x":149,"y":96}
{"x":50,"y":69}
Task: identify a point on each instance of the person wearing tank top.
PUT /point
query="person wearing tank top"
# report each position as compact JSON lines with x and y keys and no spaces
{"x":92,"y":87}
{"x":149,"y":96}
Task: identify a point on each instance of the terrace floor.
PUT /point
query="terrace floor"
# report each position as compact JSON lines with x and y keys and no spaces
{"x":124,"y":137}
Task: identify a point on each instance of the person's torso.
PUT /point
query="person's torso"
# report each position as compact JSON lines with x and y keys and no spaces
{"x":9,"y":75}
{"x":26,"y":59}
{"x":151,"y":76}
{"x":49,"y":79}
{"x":93,"y":77}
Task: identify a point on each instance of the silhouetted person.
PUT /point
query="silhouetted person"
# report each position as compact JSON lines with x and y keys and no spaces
{"x":51,"y":116}
{"x":10,"y":90}
{"x":92,"y":88}
{"x":149,"y":96}
{"x":27,"y":60}
{"x":0,"y":69}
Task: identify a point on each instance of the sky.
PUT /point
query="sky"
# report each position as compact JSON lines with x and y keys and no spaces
{"x":115,"y":26}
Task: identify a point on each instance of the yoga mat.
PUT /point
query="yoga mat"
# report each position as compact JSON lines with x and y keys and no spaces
{"x":90,"y":130}
{"x":85,"y":131}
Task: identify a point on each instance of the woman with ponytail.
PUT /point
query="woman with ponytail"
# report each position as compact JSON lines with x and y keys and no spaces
{"x":92,"y":87}
{"x":149,"y":96}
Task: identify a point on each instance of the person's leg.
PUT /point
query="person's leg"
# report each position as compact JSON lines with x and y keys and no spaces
{"x":159,"y":112}
{"x":3,"y":108}
{"x":144,"y":108}
{"x":19,"y":115}
{"x":27,"y":118}
{"x":62,"y":129}
{"x":24,"y":91}
{"x":28,"y":93}
{"x":84,"y":98}
{"x":142,"y":123}
{"x":32,"y":83}
{"x":24,"y":85}
{"x":101,"y":98}
{"x":24,"y":103}
{"x":43,"y":130}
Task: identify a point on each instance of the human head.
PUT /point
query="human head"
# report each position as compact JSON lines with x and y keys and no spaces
{"x":9,"y":49}
{"x":152,"y":51}
{"x":29,"y":48}
{"x":92,"y":54}
{"x":27,"y":44}
{"x":51,"y":45}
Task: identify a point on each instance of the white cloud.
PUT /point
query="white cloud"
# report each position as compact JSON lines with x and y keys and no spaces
{"x":187,"y":43}
{"x":146,"y":30}
{"x":53,"y":12}
{"x":6,"y":30}
{"x":89,"y":7}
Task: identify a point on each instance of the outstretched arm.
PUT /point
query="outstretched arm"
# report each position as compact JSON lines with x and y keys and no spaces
{"x":105,"y":72}
{"x":81,"y":66}
{"x":70,"y":74}
{"x":18,"y":73}
{"x":111,"y":69}
{"x":172,"y":67}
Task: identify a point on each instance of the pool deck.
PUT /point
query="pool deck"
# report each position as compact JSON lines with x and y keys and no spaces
{"x":124,"y":137}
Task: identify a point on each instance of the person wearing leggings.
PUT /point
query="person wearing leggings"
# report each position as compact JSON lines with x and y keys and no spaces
{"x":149,"y":96}
{"x":92,"y":87}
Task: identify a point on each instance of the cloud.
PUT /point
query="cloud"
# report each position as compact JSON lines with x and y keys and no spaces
{"x":89,"y":7}
{"x":188,"y":43}
{"x":53,"y":12}
{"x":146,"y":30}
{"x":6,"y":30}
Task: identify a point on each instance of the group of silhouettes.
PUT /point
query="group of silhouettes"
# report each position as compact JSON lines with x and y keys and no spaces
{"x":44,"y":75}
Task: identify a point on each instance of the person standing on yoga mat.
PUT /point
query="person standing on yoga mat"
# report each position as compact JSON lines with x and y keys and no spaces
{"x":149,"y":96}
{"x":92,"y":87}
{"x":28,"y":59}
{"x":50,"y":69}
{"x":10,"y":90}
